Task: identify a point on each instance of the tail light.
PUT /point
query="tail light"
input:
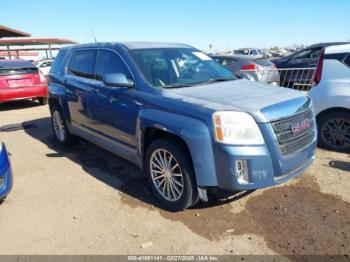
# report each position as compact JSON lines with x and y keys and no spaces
{"x":42,"y":77}
{"x":316,"y":79}
{"x":250,"y":67}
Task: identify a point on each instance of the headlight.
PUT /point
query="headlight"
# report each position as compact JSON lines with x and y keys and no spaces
{"x":236,"y":128}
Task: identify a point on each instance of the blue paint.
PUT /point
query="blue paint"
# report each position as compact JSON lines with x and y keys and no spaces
{"x":5,"y":173}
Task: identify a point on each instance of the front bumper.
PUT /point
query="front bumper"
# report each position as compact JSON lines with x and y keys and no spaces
{"x":264,"y":168}
{"x":10,"y":94}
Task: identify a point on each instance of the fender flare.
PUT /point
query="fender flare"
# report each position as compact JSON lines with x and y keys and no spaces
{"x":58,"y":93}
{"x":194,"y":132}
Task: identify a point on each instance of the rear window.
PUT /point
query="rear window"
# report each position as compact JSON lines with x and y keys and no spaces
{"x":242,"y":52}
{"x":228,"y":61}
{"x":17,"y":71}
{"x":82,"y":63}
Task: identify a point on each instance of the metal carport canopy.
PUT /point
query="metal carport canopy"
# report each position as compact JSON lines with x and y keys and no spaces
{"x":36,"y":42}
{"x":9,"y":32}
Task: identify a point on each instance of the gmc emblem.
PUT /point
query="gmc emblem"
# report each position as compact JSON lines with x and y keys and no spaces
{"x":299,"y":127}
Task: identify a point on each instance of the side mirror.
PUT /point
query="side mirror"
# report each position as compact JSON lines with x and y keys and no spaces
{"x":117,"y":80}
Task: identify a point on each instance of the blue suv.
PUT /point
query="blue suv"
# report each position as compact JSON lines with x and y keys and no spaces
{"x":185,"y":120}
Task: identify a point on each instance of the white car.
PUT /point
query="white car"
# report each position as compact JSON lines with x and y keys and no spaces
{"x":44,"y":66}
{"x":331,"y":96}
{"x":250,"y":52}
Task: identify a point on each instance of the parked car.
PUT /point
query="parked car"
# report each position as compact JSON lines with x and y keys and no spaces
{"x":252,"y":69}
{"x":5,"y":173}
{"x":185,"y":120}
{"x":44,"y":65}
{"x":20,"y":79}
{"x":331,"y":96}
{"x":300,"y":61}
{"x":251,"y":52}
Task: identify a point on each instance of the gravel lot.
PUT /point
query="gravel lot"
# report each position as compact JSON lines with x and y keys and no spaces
{"x":84,"y":200}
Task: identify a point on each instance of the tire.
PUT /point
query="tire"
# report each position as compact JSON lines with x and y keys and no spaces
{"x":334,"y":131}
{"x":59,"y":126}
{"x":172,"y":197}
{"x":2,"y":200}
{"x":43,"y":100}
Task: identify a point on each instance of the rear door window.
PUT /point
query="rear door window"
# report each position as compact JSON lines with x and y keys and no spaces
{"x":109,"y":62}
{"x":82,"y":63}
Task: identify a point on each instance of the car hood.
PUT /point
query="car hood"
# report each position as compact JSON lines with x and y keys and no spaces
{"x":264,"y":102}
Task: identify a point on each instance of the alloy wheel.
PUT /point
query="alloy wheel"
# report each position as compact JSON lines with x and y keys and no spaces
{"x":336,"y":133}
{"x":59,"y":126}
{"x":166,"y":175}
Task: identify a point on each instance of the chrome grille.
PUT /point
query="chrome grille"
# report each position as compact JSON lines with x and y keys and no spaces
{"x":290,"y":142}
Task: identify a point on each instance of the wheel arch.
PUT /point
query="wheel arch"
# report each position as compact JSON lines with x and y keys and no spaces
{"x":57,"y":95}
{"x":192,"y":134}
{"x":332,"y":110}
{"x":151,"y":134}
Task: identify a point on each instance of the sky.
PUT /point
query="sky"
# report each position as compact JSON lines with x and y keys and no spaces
{"x":224,"y":24}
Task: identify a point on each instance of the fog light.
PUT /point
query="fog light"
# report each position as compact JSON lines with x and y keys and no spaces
{"x":242,"y":171}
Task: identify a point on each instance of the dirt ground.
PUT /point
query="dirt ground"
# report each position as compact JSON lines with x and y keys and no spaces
{"x":84,"y":200}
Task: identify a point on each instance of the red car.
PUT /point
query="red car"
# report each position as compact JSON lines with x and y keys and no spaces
{"x":20,"y":79}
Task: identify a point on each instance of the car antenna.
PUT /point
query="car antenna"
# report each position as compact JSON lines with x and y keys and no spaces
{"x":93,"y":35}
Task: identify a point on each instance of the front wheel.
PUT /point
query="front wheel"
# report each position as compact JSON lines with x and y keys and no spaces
{"x":334,"y":131}
{"x":170,"y":174}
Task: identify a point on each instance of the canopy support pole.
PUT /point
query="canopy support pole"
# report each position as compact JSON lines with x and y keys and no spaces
{"x":50,"y":50}
{"x":8,"y":51}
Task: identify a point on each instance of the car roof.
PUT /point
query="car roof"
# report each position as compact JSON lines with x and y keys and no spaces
{"x":338,"y":49}
{"x":146,"y":45}
{"x":15,"y":63}
{"x":131,"y":45}
{"x":324,"y":45}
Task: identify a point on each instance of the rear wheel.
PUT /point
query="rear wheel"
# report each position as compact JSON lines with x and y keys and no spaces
{"x":170,"y":174}
{"x":43,"y":100}
{"x":59,"y":126}
{"x":334,"y":131}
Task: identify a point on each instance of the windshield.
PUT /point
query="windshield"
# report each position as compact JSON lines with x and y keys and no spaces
{"x":178,"y":67}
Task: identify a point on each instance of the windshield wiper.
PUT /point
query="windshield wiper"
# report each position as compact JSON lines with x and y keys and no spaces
{"x":176,"y":85}
{"x":213,"y":80}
